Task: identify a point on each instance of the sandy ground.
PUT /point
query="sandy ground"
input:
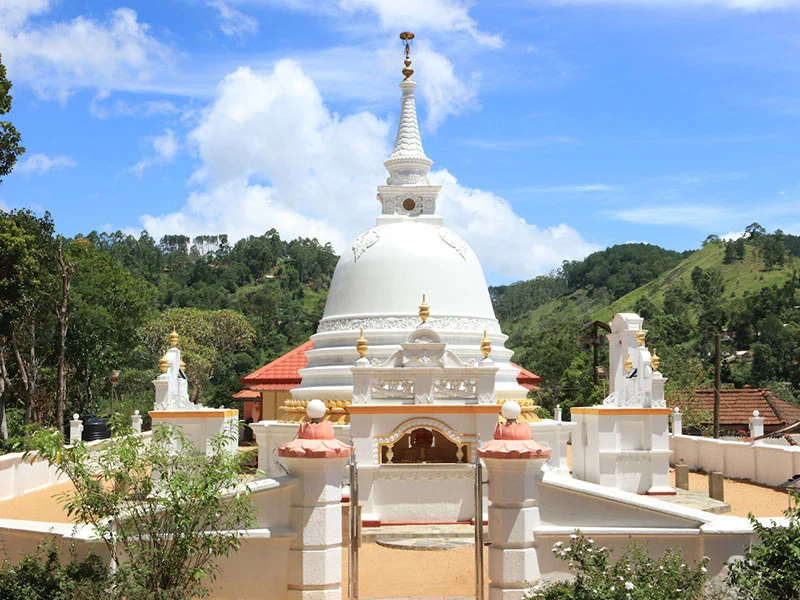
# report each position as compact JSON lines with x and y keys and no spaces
{"x":388,"y":573}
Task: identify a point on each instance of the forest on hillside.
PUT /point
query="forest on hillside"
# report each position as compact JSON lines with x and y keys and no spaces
{"x":73,"y":311}
{"x":745,"y":289}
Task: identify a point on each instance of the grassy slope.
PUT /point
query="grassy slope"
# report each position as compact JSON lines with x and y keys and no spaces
{"x":747,"y":275}
{"x":739,"y":277}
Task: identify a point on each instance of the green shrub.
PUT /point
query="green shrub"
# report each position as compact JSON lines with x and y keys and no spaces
{"x":633,"y":576}
{"x":771,"y":568}
{"x":42,"y":576}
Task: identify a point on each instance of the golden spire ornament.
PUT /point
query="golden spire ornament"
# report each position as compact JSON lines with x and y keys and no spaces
{"x":424,"y":310}
{"x":407,"y":36}
{"x":655,"y":360}
{"x":628,"y":364}
{"x":640,"y":337}
{"x":486,"y":345}
{"x":361,"y":344}
{"x":173,"y":339}
{"x":163,"y":364}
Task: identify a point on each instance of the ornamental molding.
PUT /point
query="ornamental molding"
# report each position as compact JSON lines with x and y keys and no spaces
{"x":409,"y":322}
{"x":456,"y":388}
{"x":454,"y":241}
{"x":392,"y":388}
{"x":365,"y":241}
{"x":426,"y":473}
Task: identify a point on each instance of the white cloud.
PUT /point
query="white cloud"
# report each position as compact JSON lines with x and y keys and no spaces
{"x":547,"y":140}
{"x":273,"y":155}
{"x":58,"y":57}
{"x":443,"y":16}
{"x":674,"y":215}
{"x":165,"y":147}
{"x":41,"y":164}
{"x":744,"y":5}
{"x":120,"y":108}
{"x":568,"y":189}
{"x":233,"y":22}
{"x":732,"y":235}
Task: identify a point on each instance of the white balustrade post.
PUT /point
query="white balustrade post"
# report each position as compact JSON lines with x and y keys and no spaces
{"x":75,"y":429}
{"x":318,"y":461}
{"x":557,"y":413}
{"x":515,"y":465}
{"x":677,"y":422}
{"x":757,"y":426}
{"x":136,"y":422}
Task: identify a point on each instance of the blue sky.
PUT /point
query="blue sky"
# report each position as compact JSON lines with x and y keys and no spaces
{"x":557,"y":127}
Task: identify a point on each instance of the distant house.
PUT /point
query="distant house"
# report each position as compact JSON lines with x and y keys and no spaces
{"x":737,"y":406}
{"x":267,"y":388}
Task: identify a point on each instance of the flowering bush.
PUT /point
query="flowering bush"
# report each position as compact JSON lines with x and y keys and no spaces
{"x":633,"y":576}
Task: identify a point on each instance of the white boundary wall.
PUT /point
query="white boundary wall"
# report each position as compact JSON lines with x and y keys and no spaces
{"x":19,"y":477}
{"x":760,"y":463}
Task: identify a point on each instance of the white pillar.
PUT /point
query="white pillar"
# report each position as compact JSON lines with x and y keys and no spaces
{"x":756,"y":426}
{"x":315,"y":556}
{"x":513,"y":517}
{"x":557,"y":413}
{"x":515,"y":463}
{"x":136,"y":422}
{"x":677,"y":422}
{"x":75,"y":429}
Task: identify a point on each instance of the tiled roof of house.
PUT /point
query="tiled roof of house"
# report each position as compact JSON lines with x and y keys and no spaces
{"x":282,"y":373}
{"x":247,"y":395}
{"x":737,"y":406}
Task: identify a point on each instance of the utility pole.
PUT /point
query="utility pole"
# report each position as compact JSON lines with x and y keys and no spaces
{"x":717,"y":378}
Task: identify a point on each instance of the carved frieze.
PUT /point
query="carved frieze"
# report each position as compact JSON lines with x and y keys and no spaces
{"x":392,"y":388}
{"x":409,"y":322}
{"x":456,"y":388}
{"x":364,"y":241}
{"x":454,"y":241}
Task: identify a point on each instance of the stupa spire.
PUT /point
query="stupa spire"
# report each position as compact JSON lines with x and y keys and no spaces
{"x":408,"y":163}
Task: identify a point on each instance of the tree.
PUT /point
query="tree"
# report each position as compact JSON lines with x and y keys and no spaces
{"x":66,"y":271}
{"x":10,"y":138}
{"x":208,"y":338}
{"x":27,"y":288}
{"x":107,"y":306}
{"x":164,"y":512}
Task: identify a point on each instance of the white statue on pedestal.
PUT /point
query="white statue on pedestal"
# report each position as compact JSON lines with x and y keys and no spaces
{"x":172,"y":387}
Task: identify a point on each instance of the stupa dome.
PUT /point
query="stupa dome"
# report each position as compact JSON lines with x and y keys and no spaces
{"x":391,"y":266}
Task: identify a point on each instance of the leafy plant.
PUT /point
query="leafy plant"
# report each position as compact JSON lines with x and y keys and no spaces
{"x":41,"y":576}
{"x":164,"y":512}
{"x":633,"y":576}
{"x":771,"y":568}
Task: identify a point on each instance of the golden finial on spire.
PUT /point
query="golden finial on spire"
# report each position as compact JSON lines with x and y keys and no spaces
{"x":407,"y":36}
{"x":655,"y":360}
{"x":183,"y":365}
{"x":424,"y":310}
{"x":486,"y":345}
{"x":361,"y":344}
{"x":628,"y":364}
{"x":640,"y":335}
{"x":173,"y":339}
{"x":163,"y":364}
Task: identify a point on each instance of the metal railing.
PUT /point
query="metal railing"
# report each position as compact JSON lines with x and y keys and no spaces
{"x":352,"y":563}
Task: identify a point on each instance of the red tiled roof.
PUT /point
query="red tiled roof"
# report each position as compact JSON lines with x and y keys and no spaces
{"x":737,"y":406}
{"x":247,"y":395}
{"x":282,"y":373}
{"x":527,"y":379}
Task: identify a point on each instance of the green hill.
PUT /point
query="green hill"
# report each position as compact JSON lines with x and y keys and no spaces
{"x":745,"y":288}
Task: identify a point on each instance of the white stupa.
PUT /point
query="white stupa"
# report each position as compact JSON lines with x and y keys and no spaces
{"x":381,"y":279}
